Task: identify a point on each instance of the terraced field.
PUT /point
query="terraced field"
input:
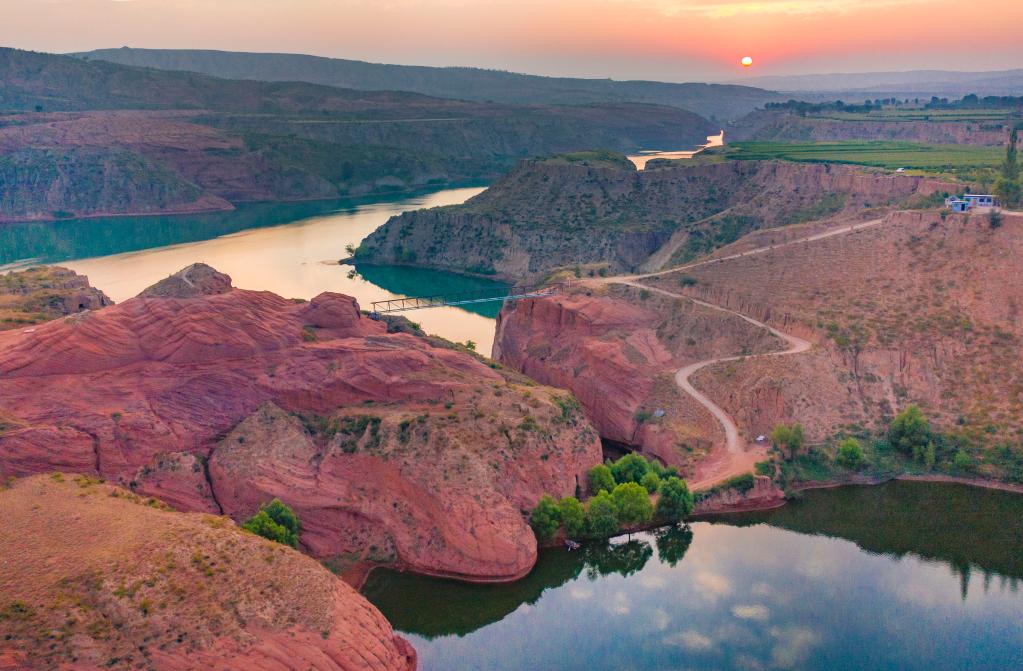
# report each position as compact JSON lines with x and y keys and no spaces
{"x":881,"y":154}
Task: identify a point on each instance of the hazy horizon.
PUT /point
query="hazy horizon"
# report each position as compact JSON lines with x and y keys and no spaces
{"x":666,"y":40}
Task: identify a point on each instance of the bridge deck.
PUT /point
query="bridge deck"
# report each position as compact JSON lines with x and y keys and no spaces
{"x":464,"y":298}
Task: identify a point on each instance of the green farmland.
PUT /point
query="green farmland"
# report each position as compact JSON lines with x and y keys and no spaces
{"x":881,"y":154}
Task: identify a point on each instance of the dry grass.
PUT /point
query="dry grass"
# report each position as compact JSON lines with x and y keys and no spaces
{"x":95,"y":575}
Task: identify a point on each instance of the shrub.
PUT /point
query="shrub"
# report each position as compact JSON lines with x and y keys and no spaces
{"x":910,"y":432}
{"x":651,"y":482}
{"x":630,"y":468}
{"x":546,"y":518}
{"x":688,"y":281}
{"x":573,"y":515}
{"x":275,"y":521}
{"x":963,"y":461}
{"x":675,"y":502}
{"x":602,"y":516}
{"x":850,"y":454}
{"x":632,"y":503}
{"x":600,"y":479}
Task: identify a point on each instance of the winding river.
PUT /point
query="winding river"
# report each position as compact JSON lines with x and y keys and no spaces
{"x":907,"y":575}
{"x":290,"y":249}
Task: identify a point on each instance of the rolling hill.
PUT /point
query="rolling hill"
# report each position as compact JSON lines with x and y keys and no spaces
{"x":718,"y":101}
{"x":84,"y":138}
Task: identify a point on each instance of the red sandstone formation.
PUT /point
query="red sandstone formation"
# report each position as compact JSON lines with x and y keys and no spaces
{"x":618,"y":351}
{"x":130,"y":586}
{"x":388,"y":445}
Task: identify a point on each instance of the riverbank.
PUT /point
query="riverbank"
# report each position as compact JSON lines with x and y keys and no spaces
{"x":359,"y":572}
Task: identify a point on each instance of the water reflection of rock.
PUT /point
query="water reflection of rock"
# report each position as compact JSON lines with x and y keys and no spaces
{"x":431,"y":607}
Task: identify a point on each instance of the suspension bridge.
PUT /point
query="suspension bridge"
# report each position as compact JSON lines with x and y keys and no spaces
{"x":514,"y":293}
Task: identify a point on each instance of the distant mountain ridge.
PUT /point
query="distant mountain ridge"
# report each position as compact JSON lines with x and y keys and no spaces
{"x":721,"y":101}
{"x":86,"y":138}
{"x":931,"y":82}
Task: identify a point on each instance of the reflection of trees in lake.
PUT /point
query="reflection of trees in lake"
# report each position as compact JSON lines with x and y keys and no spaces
{"x":672,"y":544}
{"x":603,"y":559}
{"x":969,"y":528}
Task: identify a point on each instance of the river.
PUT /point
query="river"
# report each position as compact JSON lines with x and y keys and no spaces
{"x":291,"y":249}
{"x":907,"y":575}
{"x":642,"y":158}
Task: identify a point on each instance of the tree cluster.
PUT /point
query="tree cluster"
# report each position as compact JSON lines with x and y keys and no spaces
{"x":621,"y":500}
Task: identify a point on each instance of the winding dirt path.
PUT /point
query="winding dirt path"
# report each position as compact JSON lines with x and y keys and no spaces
{"x":841,"y":230}
{"x":741,"y":458}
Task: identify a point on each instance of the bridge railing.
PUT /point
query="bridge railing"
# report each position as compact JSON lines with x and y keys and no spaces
{"x":517,"y":292}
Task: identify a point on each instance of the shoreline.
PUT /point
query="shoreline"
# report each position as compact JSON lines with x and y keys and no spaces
{"x":370,"y":196}
{"x":357,"y":574}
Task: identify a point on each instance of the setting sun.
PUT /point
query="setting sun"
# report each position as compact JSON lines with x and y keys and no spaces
{"x":747,"y":61}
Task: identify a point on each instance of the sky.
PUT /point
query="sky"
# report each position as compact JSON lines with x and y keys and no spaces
{"x":669,"y":40}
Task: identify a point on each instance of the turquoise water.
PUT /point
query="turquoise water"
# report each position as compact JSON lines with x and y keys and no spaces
{"x":290,"y":249}
{"x":902,"y":576}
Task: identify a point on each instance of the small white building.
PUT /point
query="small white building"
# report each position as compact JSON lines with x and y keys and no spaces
{"x":970,"y":201}
{"x":979,"y":200}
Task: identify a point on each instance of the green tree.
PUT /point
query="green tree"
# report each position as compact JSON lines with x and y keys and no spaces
{"x":275,"y":521}
{"x":1008,"y":186}
{"x":850,"y":454}
{"x":910,"y":432}
{"x":601,"y":516}
{"x":600,"y":479}
{"x":545,"y":518}
{"x":633,"y":504}
{"x":675,"y":502}
{"x":573,"y":515}
{"x":630,"y":468}
{"x":788,"y":438}
{"x":930,"y":455}
{"x":651,"y":482}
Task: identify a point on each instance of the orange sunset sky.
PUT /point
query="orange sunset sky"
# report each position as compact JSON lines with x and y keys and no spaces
{"x":672,"y":40}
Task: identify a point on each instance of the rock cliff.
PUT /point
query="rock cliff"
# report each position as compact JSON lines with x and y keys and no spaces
{"x":131,"y":585}
{"x":569,"y":211}
{"x":387,"y":445}
{"x":617,"y":350}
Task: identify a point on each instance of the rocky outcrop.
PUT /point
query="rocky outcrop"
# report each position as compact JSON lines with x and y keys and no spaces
{"x":219,"y":399}
{"x":39,"y":294}
{"x":564,"y":212}
{"x":131,"y":585}
{"x":197,"y":279}
{"x":763,"y":494}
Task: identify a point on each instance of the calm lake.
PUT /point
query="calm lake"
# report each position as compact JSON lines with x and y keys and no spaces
{"x":906,"y":575}
{"x":290,"y":249}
